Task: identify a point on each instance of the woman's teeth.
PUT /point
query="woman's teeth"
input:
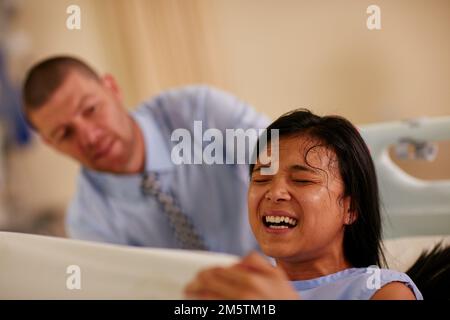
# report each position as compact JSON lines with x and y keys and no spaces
{"x":279,"y":222}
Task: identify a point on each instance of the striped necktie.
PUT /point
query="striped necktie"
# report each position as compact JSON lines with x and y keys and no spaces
{"x":182,"y":225}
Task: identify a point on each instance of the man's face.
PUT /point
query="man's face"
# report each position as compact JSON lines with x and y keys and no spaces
{"x":84,"y":119}
{"x":307,"y":196}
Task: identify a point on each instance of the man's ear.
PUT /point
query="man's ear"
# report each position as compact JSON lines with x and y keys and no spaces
{"x":46,"y":140}
{"x":28,"y":118}
{"x":110,"y":83}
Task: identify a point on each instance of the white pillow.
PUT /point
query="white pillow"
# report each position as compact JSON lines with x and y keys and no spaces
{"x":401,"y":253}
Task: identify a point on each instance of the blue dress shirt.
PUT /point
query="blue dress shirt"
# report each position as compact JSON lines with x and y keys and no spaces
{"x":112,"y":208}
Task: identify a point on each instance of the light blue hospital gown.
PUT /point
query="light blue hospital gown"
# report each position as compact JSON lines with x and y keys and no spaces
{"x":111,"y":208}
{"x":351,"y":284}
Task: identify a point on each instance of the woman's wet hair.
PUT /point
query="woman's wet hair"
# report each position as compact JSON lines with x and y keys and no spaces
{"x":362,"y":238}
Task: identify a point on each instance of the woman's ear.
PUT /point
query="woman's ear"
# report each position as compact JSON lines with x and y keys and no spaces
{"x":350,"y":214}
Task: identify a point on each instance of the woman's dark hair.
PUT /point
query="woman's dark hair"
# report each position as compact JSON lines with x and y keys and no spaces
{"x":362,"y":238}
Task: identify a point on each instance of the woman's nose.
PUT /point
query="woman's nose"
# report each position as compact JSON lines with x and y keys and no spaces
{"x":278,"y":191}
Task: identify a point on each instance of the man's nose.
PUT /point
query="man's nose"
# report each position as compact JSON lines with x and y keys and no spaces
{"x":278,"y":191}
{"x":89,"y":135}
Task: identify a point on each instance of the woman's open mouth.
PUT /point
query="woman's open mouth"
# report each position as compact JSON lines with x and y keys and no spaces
{"x":279,"y":222}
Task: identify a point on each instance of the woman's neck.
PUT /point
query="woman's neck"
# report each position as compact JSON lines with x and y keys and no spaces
{"x":305,"y":269}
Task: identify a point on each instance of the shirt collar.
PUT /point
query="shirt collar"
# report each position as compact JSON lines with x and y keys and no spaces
{"x":157,"y":153}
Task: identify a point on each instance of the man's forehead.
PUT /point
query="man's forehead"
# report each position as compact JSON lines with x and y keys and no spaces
{"x":60,"y":106}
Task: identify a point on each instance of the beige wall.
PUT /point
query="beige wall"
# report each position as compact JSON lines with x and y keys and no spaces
{"x":319,"y":54}
{"x":277,"y":55}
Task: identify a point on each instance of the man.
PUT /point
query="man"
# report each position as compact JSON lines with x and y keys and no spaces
{"x":129,"y":189}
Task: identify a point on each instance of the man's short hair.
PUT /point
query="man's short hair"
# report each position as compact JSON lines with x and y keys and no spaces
{"x":45,"y":77}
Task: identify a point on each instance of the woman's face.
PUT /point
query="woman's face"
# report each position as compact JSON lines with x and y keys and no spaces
{"x":298,"y":214}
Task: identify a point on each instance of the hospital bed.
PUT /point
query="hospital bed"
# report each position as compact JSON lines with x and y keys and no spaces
{"x":410,"y":206}
{"x":40,"y":267}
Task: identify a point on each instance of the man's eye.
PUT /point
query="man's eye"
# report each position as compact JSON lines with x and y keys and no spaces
{"x":65,"y":135}
{"x":90,"y":110}
{"x":260,"y":180}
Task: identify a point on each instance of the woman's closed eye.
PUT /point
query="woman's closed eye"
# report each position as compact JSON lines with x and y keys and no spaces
{"x":302,"y":180}
{"x":261,"y":179}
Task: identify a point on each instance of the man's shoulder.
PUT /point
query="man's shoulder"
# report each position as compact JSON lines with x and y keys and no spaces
{"x":190,"y":89}
{"x":187,"y":91}
{"x":193,"y":94}
{"x":180,"y":105}
{"x":216,"y":108}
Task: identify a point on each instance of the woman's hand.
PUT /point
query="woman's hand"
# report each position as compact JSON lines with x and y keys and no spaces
{"x":252,"y":278}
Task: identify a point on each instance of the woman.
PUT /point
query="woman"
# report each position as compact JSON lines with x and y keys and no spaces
{"x":318,"y":216}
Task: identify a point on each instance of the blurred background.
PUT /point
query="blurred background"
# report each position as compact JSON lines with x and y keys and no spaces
{"x":276,"y":55}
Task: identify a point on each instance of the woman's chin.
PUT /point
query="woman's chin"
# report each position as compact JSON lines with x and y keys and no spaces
{"x":277,"y":251}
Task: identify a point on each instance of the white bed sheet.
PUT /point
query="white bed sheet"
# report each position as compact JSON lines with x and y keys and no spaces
{"x":34,"y":267}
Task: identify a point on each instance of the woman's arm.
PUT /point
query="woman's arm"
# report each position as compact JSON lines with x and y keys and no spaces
{"x":394,"y":291}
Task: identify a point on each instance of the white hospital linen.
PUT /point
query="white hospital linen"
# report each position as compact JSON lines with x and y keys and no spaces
{"x":35,"y":267}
